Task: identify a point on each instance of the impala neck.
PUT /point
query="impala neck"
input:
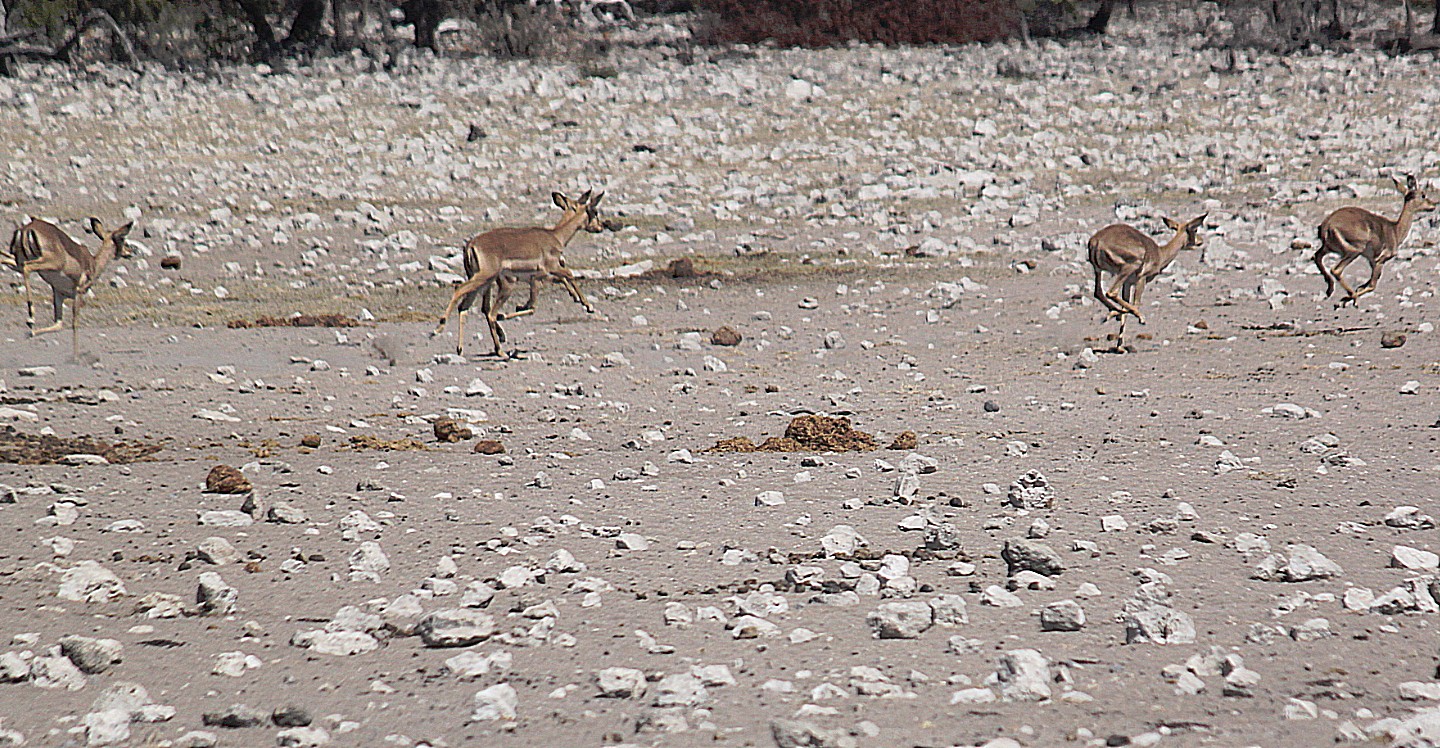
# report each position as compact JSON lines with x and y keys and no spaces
{"x":1402,"y":223}
{"x":1170,"y":250}
{"x":570,"y":223}
{"x":99,"y":262}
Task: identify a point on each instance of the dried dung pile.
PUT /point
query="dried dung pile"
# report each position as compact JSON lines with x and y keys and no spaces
{"x":806,"y":434}
{"x":45,"y":449}
{"x":299,"y":320}
{"x":368,"y":441}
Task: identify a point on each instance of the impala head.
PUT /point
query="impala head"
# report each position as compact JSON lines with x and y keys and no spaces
{"x":587,"y":204}
{"x":114,"y":238}
{"x":1410,"y":188}
{"x":1191,"y":229}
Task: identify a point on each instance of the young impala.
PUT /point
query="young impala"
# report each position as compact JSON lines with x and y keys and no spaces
{"x":499,"y":258}
{"x":1354,"y":232}
{"x":70,"y":269}
{"x":1135,"y":259}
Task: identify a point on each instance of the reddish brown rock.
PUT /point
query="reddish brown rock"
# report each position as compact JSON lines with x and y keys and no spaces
{"x":226,"y":479}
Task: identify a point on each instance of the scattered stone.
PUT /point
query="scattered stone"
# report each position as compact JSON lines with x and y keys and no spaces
{"x":1392,"y":339}
{"x":769,"y":498}
{"x":285,"y":513}
{"x":90,"y":582}
{"x":291,"y":715}
{"x":901,"y":620}
{"x":842,"y":540}
{"x":217,"y":551}
{"x":498,"y":702}
{"x":368,"y":562}
{"x":1158,"y":624}
{"x":92,"y":656}
{"x":236,"y":717}
{"x":1062,"y":615}
{"x":1414,"y":559}
{"x":455,"y":627}
{"x":948,"y":610}
{"x":725,"y":336}
{"x":302,"y":737}
{"x":214,"y":596}
{"x":1314,"y":629}
{"x":489,"y":447}
{"x":999,"y":597}
{"x":1024,"y":675}
{"x":56,"y":673}
{"x":1304,"y":564}
{"x":108,"y":727}
{"x":632,"y":541}
{"x":790,"y":733}
{"x":680,"y":689}
{"x":1027,"y":555}
{"x":1031,"y":491}
{"x":1404,"y":517}
{"x":621,"y":683}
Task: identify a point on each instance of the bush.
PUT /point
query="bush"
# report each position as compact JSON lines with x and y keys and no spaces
{"x":823,"y":23}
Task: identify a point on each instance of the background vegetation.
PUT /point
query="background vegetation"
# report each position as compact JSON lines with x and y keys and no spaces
{"x":184,"y":33}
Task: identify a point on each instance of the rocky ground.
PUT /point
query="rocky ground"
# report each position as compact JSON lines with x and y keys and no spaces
{"x":251,"y":535}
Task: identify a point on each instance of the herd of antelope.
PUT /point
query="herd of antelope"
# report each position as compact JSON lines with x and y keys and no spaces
{"x":496,"y":260}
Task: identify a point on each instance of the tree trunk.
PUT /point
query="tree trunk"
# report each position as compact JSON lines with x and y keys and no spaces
{"x":1101,"y":19}
{"x":257,"y":12}
{"x":340,"y":10}
{"x":426,"y":15}
{"x":309,"y":21}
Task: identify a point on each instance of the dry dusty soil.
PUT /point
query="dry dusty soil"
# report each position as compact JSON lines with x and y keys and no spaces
{"x":898,"y":238}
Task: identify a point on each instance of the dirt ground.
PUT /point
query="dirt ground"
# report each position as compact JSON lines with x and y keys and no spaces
{"x":1010,"y":375}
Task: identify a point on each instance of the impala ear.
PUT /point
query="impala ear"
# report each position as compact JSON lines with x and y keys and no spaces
{"x":118,"y":235}
{"x":1410,"y":184}
{"x":1201,"y":220}
{"x":96,"y":227}
{"x":561,"y":201}
{"x":1399,"y":185}
{"x":594,"y":201}
{"x":1171,"y":222}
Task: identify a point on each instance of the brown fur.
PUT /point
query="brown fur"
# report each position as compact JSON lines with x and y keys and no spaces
{"x":1354,"y":232}
{"x":69,"y":268}
{"x":498,"y":259}
{"x":1135,"y":259}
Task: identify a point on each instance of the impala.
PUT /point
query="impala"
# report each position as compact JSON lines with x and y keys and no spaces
{"x":70,"y":269}
{"x":499,"y":258}
{"x":1135,"y":259}
{"x":1354,"y":232}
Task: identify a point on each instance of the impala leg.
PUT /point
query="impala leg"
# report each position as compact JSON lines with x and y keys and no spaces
{"x":29,"y":302}
{"x":1103,"y":297}
{"x":1338,"y":271}
{"x":461,"y":291}
{"x":525,"y":309}
{"x":567,"y":279}
{"x":75,"y":325}
{"x":497,"y":336}
{"x":1324,"y":271}
{"x":1122,"y":285}
{"x":57,"y":302}
{"x":1376,"y":267}
{"x":1135,"y":297}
